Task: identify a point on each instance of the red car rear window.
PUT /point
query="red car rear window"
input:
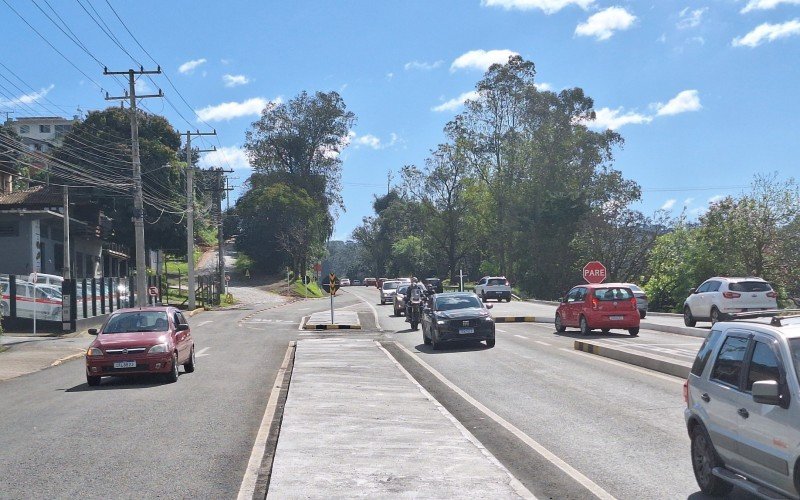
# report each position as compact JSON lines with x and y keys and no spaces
{"x":613,"y":294}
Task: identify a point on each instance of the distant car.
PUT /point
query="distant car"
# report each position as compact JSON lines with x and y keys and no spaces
{"x":493,"y":287}
{"x":142,"y":340}
{"x":344,"y":282}
{"x":454,"y":317}
{"x":743,"y":410}
{"x":47,"y":305}
{"x":604,"y":306}
{"x":379,"y":282}
{"x":388,"y":291}
{"x":355,"y":282}
{"x":641,"y":297}
{"x":433,"y":283}
{"x":716,"y":298}
{"x":404,"y":280}
{"x":399,"y":303}
{"x":369,"y":281}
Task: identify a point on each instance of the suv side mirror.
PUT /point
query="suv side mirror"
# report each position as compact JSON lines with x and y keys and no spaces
{"x":561,"y":300}
{"x":92,"y":331}
{"x":766,"y":392}
{"x":182,"y":327}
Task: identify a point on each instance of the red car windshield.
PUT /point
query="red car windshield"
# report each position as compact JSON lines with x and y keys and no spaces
{"x":139,"y":321}
{"x":613,"y":294}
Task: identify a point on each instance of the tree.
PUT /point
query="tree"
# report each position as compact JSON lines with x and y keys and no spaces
{"x":298,"y":144}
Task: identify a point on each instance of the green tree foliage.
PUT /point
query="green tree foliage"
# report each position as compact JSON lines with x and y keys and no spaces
{"x":297,"y":144}
{"x":101,"y":147}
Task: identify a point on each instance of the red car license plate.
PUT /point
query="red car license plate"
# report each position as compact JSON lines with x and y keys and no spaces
{"x":616,"y":318}
{"x":125,"y":364}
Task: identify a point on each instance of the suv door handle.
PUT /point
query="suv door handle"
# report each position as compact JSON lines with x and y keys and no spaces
{"x":705,"y":397}
{"x":743,"y":413}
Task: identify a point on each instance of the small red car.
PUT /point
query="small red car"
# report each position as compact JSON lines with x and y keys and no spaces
{"x":598,"y":306}
{"x":141,"y":340}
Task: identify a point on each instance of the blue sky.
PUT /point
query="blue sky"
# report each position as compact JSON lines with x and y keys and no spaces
{"x":704,"y":92}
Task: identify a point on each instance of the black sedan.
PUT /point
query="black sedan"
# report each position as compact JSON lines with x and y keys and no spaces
{"x":454,"y":317}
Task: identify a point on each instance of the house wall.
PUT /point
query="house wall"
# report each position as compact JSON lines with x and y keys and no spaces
{"x":15,"y":251}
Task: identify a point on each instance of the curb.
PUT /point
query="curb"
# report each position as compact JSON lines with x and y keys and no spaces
{"x":678,"y":330}
{"x":516,"y":319}
{"x":331,"y":327}
{"x":67,"y":358}
{"x":196,"y":311}
{"x":651,"y":361}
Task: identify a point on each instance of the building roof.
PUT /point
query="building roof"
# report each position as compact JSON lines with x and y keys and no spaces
{"x":39,"y":196}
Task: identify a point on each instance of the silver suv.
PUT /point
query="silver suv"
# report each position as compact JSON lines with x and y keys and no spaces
{"x":743,"y":408}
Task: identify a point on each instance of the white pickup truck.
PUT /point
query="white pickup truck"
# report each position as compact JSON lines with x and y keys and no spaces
{"x":493,"y":287}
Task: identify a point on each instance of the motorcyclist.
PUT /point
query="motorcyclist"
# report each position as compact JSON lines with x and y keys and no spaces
{"x":415,"y":284}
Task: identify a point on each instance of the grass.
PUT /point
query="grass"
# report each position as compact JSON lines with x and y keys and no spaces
{"x":208,"y":236}
{"x":175,"y":267}
{"x":312,"y":290}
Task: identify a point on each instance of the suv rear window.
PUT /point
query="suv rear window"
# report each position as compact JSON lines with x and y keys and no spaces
{"x":496,"y":282}
{"x":728,"y":366}
{"x":749,"y":286}
{"x":390,"y":285}
{"x":613,"y":294}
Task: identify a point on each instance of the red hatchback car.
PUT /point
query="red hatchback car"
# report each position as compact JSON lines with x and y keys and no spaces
{"x":137,"y":341}
{"x":598,"y":306}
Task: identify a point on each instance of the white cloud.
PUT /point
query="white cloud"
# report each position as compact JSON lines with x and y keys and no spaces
{"x":691,"y":18}
{"x":371,"y":141}
{"x":543,"y":87}
{"x":715,"y":199}
{"x":546,"y":6}
{"x":613,"y":119}
{"x":230,"y":110}
{"x":669,"y":204}
{"x":481,"y":59}
{"x":189,"y":66}
{"x":422,"y":65}
{"x":769,"y":33}
{"x":454,"y":104}
{"x":226,"y":156}
{"x":143,"y":87}
{"x":603,"y":24}
{"x":688,"y":100}
{"x":389,"y":76}
{"x":688,"y":201}
{"x":27,"y":98}
{"x":766,"y":4}
{"x":368,"y":140}
{"x":234,"y":80}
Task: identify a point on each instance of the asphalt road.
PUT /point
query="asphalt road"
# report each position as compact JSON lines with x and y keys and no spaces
{"x":618,"y":425}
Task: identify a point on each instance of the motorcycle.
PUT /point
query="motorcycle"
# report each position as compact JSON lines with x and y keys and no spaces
{"x":415,"y":308}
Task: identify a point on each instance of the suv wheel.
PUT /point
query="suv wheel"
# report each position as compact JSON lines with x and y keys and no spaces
{"x":585,"y":330}
{"x":688,"y":319}
{"x":704,"y":459}
{"x":715,"y":316}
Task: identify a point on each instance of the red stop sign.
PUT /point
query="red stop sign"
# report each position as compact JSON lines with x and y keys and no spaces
{"x":594,"y":272}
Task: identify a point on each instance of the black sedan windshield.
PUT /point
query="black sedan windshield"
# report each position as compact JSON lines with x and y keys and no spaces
{"x":456,"y":302}
{"x":139,"y":321}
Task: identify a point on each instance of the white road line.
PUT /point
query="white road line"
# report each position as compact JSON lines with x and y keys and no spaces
{"x":205,"y":322}
{"x":520,"y":336}
{"x":543,"y":343}
{"x":374,"y":311}
{"x":248,"y":486}
{"x":515,"y":483}
{"x":626,"y":365}
{"x":202,"y":352}
{"x":538,"y":448}
{"x":501,"y":331}
{"x":302,"y":323}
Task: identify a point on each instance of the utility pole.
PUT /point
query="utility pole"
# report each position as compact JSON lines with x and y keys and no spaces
{"x":217,"y":188}
{"x":138,"y":201}
{"x":66,"y":267}
{"x":190,"y":213}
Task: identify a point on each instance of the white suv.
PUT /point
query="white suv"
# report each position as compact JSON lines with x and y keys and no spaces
{"x":493,"y":287}
{"x":718,"y":297}
{"x":388,"y":289}
{"x":743,"y":408}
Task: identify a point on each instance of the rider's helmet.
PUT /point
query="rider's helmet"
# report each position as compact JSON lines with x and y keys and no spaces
{"x":414,"y":280}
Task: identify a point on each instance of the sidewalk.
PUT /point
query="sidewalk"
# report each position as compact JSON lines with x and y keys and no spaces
{"x":356,"y":425}
{"x":31,"y":354}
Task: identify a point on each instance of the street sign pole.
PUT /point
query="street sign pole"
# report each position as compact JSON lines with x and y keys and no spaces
{"x":332,"y":290}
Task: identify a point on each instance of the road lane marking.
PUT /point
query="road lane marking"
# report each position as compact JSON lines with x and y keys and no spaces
{"x":501,"y":331}
{"x":202,"y":352}
{"x":652,"y":373}
{"x":205,"y":322}
{"x":374,"y":311}
{"x":515,"y":483}
{"x":250,"y":478}
{"x":543,"y":343}
{"x":538,"y":448}
{"x":521,"y":336}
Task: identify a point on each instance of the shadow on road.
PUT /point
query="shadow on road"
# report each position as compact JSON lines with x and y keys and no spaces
{"x":461,"y":346}
{"x":594,"y":335}
{"x":112,"y":383}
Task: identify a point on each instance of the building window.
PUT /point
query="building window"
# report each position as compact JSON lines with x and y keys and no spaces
{"x":44,"y":129}
{"x":24,"y":129}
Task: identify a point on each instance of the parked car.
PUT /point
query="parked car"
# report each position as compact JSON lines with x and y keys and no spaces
{"x":493,"y":287}
{"x":369,"y":281}
{"x":388,"y":291}
{"x":344,"y":282}
{"x":455,"y":317}
{"x":743,"y":409}
{"x":143,"y":340}
{"x":716,"y":298}
{"x":604,"y":306}
{"x":47,"y":304}
{"x":399,"y":301}
{"x":356,"y":282}
{"x":434,"y":284}
{"x":641,"y":297}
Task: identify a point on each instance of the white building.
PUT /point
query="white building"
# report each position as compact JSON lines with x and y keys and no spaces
{"x":41,"y":133}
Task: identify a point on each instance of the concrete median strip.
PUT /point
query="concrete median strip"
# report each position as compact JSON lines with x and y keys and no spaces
{"x":650,"y":361}
{"x":515,"y":319}
{"x":343,"y":320}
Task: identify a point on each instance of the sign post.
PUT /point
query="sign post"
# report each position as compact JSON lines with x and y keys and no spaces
{"x":332,"y":288}
{"x":32,"y":278}
{"x":594,"y":272}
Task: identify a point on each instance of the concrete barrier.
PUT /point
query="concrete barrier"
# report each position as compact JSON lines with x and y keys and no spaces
{"x":650,"y":361}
